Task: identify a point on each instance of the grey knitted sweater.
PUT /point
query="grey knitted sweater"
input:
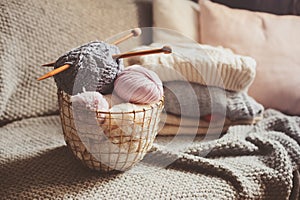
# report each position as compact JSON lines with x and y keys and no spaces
{"x":194,"y":100}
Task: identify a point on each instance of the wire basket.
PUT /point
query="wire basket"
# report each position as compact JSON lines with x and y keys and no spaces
{"x":109,"y":141}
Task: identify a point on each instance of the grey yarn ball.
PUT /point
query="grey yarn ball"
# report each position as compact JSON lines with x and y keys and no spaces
{"x":92,"y":68}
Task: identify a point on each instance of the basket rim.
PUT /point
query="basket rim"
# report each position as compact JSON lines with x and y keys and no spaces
{"x":62,"y":94}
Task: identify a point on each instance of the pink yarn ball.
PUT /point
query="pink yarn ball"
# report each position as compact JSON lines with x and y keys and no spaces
{"x":136,"y":84}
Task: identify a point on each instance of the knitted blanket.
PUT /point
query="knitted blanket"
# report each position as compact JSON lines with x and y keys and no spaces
{"x":248,"y":162}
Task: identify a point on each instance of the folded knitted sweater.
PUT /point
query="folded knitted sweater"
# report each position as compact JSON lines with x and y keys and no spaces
{"x":203,"y":64}
{"x":195,"y":100}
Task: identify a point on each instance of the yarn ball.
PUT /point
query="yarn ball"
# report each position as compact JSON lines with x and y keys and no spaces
{"x":131,"y":121}
{"x":136,"y":84}
{"x":86,"y":104}
{"x":92,"y":68}
{"x":113,"y":99}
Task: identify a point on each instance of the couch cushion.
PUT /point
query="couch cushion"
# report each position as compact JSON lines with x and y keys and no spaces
{"x":36,"y":32}
{"x":179,"y":17}
{"x":270,"y":39}
{"x":271,"y":6}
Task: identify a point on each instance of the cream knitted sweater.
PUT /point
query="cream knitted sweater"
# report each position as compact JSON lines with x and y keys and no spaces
{"x":203,"y":64}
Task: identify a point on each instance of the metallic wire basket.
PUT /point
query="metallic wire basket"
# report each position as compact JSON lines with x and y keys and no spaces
{"x":108,"y":141}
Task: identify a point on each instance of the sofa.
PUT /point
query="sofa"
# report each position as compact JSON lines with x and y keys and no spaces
{"x":248,"y":162}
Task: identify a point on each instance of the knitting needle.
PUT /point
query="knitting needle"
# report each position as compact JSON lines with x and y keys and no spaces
{"x":49,"y":64}
{"x":54,"y":72}
{"x":134,"y":33}
{"x":164,"y":49}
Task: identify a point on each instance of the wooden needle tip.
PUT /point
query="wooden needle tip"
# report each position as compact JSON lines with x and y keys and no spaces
{"x":136,"y":32}
{"x":167,"y":49}
{"x":54,"y":72}
{"x":42,"y":78}
{"x":48,"y":64}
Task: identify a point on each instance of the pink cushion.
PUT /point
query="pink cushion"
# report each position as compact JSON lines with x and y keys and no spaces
{"x":272,"y":40}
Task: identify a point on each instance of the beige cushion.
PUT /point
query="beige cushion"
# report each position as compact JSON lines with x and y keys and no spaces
{"x":181,"y":16}
{"x":203,"y":64}
{"x":36,"y":32}
{"x":274,"y":41}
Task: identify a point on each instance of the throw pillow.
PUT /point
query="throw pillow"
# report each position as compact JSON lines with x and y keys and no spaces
{"x":271,"y":6}
{"x":181,"y":16}
{"x":272,"y":40}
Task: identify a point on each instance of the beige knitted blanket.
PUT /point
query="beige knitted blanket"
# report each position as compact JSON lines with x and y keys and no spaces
{"x":249,"y":162}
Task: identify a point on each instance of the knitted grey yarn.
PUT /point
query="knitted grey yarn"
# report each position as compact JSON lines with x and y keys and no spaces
{"x":92,"y":68}
{"x":237,"y":105}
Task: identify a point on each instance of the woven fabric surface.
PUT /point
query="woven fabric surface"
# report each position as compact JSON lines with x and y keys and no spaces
{"x":249,"y":162}
{"x":37,"y":32}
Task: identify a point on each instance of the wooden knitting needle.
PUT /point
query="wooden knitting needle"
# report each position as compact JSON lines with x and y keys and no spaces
{"x":134,"y":33}
{"x":49,"y":64}
{"x":164,"y":49}
{"x":55,"y":71}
